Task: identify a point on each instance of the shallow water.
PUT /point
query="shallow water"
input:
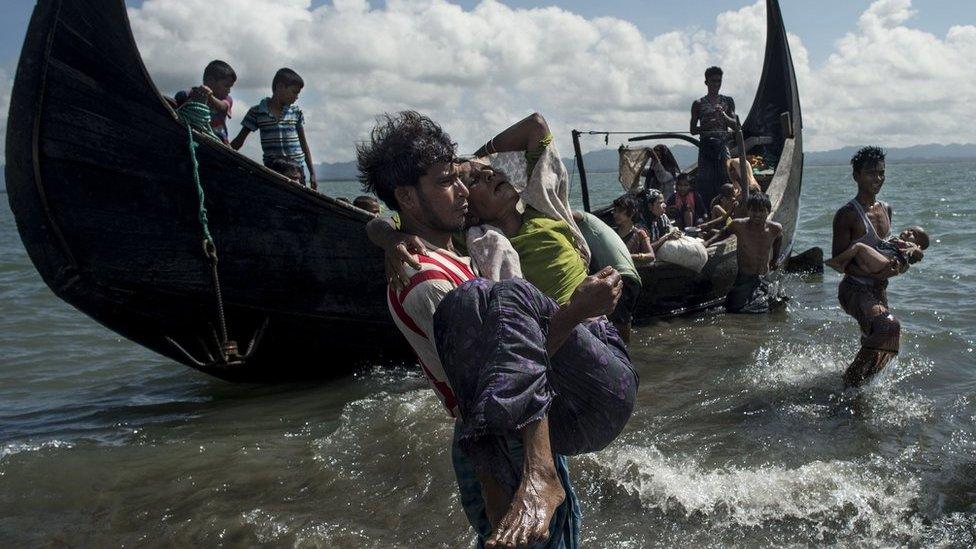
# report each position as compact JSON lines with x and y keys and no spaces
{"x":743,"y":436}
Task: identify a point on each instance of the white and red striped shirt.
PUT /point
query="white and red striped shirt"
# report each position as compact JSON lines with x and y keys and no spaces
{"x":413,"y":312}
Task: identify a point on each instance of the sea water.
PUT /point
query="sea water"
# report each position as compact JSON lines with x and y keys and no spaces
{"x":742,"y":437}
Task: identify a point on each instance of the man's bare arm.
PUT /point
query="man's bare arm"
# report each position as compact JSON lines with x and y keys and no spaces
{"x":844,"y":220}
{"x":722,"y":235}
{"x":694,"y":128}
{"x":521,"y":136}
{"x":313,"y":182}
{"x":238,"y":141}
{"x":219,"y":105}
{"x":398,"y":247}
{"x":777,"y":247}
{"x":597,"y":295}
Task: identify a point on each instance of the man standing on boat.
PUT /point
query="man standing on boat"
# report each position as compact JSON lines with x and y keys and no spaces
{"x":862,"y":294}
{"x":711,"y":117}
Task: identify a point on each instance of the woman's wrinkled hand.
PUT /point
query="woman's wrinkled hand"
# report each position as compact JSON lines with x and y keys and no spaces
{"x":400,"y":253}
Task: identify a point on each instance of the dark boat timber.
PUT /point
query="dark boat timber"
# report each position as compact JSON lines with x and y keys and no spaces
{"x":100,"y":182}
{"x":99,"y":179}
{"x":672,"y":290}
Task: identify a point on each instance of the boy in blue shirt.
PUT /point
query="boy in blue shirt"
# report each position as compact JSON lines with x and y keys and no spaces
{"x":281,"y":123}
{"x":218,"y":79}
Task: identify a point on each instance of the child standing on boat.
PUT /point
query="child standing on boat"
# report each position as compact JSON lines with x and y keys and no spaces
{"x":214,"y":94}
{"x":282,"y":125}
{"x":686,"y":204}
{"x":756,"y":238}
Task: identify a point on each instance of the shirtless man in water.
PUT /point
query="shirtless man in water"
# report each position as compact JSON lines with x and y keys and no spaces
{"x":862,"y":294}
{"x":756,"y":237}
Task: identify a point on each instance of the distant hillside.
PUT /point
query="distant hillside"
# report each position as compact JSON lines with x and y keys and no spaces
{"x":916,"y":153}
{"x":605,"y":160}
{"x":338,"y":171}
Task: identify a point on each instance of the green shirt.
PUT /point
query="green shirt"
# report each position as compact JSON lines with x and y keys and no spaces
{"x":607,"y":249}
{"x":548,"y":256}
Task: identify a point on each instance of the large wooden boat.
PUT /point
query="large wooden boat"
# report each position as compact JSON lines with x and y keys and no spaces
{"x":774,"y":126}
{"x":100,"y":181}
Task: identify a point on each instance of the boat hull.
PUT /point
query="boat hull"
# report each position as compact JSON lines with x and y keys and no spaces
{"x":100,"y":180}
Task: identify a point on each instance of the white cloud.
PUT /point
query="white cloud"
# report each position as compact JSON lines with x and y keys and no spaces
{"x":478,"y":70}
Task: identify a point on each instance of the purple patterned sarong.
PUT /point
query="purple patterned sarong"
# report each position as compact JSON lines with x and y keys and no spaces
{"x":491,"y":338}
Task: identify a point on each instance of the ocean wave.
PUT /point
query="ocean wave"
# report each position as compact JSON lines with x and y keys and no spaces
{"x":834,"y":495}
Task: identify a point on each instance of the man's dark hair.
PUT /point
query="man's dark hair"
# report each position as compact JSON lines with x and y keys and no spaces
{"x":286,"y":77}
{"x":710,"y":71}
{"x":758,"y":200}
{"x":400,"y":150}
{"x":219,"y":71}
{"x":682,"y":176}
{"x":627,"y":204}
{"x":367,"y":203}
{"x":867,"y":156}
{"x":284,"y":166}
{"x":727,"y":190}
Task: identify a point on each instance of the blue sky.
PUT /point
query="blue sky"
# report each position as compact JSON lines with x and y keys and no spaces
{"x":895,"y":72}
{"x":818,"y":22}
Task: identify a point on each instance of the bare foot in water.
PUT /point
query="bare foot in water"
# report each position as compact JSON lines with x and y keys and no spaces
{"x":529,"y":514}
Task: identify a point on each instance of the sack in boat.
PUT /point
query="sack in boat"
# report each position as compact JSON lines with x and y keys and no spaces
{"x":686,"y":251}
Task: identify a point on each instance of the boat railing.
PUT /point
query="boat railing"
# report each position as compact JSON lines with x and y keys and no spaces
{"x":742,"y":147}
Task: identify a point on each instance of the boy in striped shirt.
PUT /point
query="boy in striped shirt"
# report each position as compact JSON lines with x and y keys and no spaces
{"x":281,"y":124}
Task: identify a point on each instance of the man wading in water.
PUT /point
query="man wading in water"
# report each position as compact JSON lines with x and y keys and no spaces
{"x":862,"y":294}
{"x":528,"y":379}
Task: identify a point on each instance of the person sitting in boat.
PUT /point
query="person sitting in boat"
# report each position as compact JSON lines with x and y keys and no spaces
{"x":282,"y":125}
{"x":367,"y":203}
{"x":659,"y":226}
{"x":735,"y":176}
{"x":723,"y":208}
{"x":287,"y":167}
{"x":756,"y":238}
{"x":711,"y":117}
{"x":218,"y":79}
{"x":635,"y":237}
{"x":895,"y":253}
{"x":662,"y":170}
{"x":484,"y":344}
{"x":686,"y":205}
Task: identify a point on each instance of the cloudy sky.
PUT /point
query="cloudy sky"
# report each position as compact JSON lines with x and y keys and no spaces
{"x":894,"y":72}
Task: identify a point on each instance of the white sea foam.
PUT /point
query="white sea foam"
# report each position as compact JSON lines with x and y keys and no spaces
{"x":12,"y":448}
{"x":788,"y":367}
{"x":839,"y":492}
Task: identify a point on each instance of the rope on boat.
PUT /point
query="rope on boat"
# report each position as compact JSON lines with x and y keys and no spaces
{"x":191,"y":118}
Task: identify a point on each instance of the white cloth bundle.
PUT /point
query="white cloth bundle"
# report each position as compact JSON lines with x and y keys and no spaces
{"x":492,"y":253}
{"x":685,"y":251}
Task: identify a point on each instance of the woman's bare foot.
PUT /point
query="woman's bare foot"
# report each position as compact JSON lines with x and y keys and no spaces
{"x":529,"y":514}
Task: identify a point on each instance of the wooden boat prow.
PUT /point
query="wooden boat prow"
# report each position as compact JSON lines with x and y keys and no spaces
{"x":669,"y":289}
{"x":99,"y":179}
